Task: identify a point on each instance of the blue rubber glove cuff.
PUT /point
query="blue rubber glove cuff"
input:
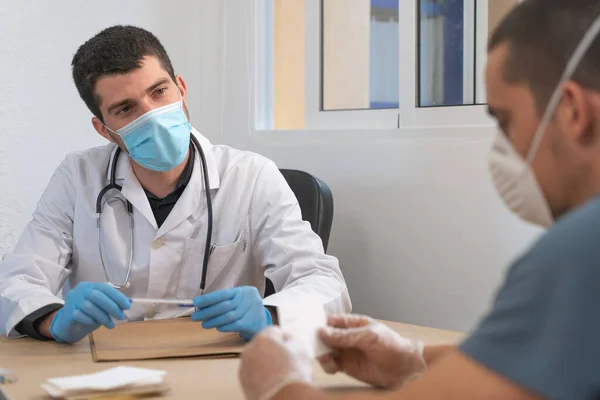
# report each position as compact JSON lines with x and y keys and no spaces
{"x":52,"y":327}
{"x":269,"y":317}
{"x":88,"y":306}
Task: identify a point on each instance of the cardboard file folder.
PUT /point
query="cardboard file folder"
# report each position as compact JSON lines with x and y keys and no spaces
{"x":169,"y":338}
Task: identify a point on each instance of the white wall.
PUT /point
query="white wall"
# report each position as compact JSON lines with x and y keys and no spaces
{"x":41,"y":115}
{"x":420,"y":232}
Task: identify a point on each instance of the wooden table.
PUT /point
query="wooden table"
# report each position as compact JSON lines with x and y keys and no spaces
{"x":188,"y":378}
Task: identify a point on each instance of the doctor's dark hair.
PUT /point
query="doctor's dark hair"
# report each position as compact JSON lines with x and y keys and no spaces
{"x":115,"y":50}
{"x":542,"y":36}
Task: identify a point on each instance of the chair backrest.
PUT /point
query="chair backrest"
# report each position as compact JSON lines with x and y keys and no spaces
{"x":316,"y":205}
{"x":315,"y":199}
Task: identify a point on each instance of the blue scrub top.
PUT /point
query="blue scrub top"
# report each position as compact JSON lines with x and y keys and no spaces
{"x":543,"y":331}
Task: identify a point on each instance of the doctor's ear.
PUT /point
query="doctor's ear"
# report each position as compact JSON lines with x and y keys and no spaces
{"x":182,"y":87}
{"x":101,"y":129}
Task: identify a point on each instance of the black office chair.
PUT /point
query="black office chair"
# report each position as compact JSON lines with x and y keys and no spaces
{"x":316,"y":205}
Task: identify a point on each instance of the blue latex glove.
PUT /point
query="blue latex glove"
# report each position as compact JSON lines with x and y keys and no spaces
{"x":238,"y":310}
{"x":87,"y":306}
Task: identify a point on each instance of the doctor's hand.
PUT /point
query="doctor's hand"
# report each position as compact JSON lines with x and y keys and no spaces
{"x":272,"y":361}
{"x":370,"y":351}
{"x":238,"y":310}
{"x":88,"y":306}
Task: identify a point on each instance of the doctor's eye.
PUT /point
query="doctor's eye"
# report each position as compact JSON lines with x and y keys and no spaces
{"x":124,"y":110}
{"x":160,"y":91}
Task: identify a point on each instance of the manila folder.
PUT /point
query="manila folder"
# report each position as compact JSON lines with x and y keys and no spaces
{"x":168,"y":338}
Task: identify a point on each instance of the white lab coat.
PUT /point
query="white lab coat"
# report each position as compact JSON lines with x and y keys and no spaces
{"x":257,"y":230}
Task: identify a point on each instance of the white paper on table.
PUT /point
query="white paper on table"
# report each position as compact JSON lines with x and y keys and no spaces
{"x":106,"y":380}
{"x":303,"y":320}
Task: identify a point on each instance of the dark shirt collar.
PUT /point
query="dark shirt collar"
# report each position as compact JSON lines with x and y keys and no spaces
{"x":184,"y":179}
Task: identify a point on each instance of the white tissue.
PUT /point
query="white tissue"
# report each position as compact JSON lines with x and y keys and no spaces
{"x":110,"y":379}
{"x":303,"y":320}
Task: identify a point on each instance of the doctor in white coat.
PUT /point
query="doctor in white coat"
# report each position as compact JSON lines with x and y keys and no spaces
{"x":60,"y":284}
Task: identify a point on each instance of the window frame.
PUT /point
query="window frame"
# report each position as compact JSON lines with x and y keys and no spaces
{"x":264,"y":95}
{"x":315,"y":117}
{"x":481,"y":41}
{"x":408,"y":116}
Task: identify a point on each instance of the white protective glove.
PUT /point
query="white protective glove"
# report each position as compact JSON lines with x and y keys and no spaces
{"x":272,"y":361}
{"x":371,"y":352}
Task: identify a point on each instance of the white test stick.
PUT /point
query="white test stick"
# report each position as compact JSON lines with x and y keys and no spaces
{"x":177,"y":302}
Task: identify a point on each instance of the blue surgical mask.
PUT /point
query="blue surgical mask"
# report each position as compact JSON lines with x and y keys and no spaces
{"x":159,"y":139}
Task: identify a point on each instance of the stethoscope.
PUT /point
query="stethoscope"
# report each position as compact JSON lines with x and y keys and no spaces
{"x":112,"y":185}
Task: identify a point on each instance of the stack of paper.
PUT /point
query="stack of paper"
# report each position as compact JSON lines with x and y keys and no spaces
{"x":114,"y":381}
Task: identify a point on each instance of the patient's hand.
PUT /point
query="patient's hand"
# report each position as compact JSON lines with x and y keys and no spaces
{"x":370,"y":351}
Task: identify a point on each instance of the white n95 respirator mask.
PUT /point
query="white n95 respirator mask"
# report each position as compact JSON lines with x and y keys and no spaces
{"x":513,"y":176}
{"x":516,"y":183}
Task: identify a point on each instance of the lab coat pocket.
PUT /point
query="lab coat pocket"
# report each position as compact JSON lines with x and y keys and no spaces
{"x":219,"y":264}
